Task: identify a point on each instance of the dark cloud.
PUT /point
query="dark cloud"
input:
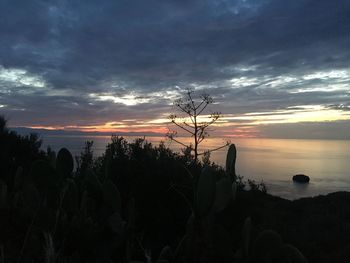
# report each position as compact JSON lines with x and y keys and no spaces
{"x":252,"y":55}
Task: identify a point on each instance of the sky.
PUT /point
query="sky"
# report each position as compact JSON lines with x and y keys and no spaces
{"x":275,"y":68}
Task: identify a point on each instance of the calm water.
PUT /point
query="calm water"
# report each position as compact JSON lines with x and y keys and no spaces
{"x":272,"y":161}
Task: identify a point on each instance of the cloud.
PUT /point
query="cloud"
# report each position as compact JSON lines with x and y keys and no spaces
{"x":113,"y":60}
{"x":310,"y":130}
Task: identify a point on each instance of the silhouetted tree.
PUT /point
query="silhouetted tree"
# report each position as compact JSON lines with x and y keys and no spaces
{"x":3,"y":123}
{"x":17,"y":150}
{"x":194,"y":122}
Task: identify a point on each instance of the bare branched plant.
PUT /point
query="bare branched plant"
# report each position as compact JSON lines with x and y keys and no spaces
{"x":193,"y":121}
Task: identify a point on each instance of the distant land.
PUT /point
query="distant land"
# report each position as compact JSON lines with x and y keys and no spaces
{"x":299,"y":131}
{"x":25,"y":131}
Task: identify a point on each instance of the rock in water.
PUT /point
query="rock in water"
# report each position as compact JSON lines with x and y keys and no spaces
{"x":301,"y":178}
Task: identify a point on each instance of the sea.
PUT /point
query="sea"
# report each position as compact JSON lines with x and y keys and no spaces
{"x":271,"y":161}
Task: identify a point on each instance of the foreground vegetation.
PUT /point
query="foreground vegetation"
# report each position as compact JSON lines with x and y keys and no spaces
{"x":144,"y":203}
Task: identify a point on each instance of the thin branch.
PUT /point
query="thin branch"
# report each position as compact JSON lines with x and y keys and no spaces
{"x":188,"y":125}
{"x":212,"y":150}
{"x":183,"y":109}
{"x":206,"y":104}
{"x":192,"y":120}
{"x":202,"y":131}
{"x":173,"y":139}
{"x":200,"y":104}
{"x":178,"y":125}
{"x":200,"y":136}
{"x":207,"y":124}
{"x":201,"y":139}
{"x":193,"y":108}
{"x":189,"y":113}
{"x":191,"y":100}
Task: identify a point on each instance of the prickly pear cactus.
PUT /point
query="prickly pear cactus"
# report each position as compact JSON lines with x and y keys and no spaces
{"x":70,"y":198}
{"x":223,"y":194}
{"x":234,"y":190}
{"x":267,"y":246}
{"x":205,"y":192}
{"x":222,"y":245}
{"x":289,"y":253}
{"x":64,"y":163}
{"x":111,"y":196}
{"x":226,"y":187}
{"x":246,"y":232}
{"x":44,"y":176}
{"x":231,"y":162}
{"x":93,"y":185}
{"x":28,"y":200}
{"x":166,"y":255}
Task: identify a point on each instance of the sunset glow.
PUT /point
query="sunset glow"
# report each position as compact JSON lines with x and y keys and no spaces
{"x":66,"y":73}
{"x":244,"y":125}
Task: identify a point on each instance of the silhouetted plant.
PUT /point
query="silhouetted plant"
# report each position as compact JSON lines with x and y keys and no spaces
{"x":17,"y":150}
{"x":85,"y":160}
{"x":135,"y":202}
{"x":256,"y":187}
{"x":192,"y":122}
